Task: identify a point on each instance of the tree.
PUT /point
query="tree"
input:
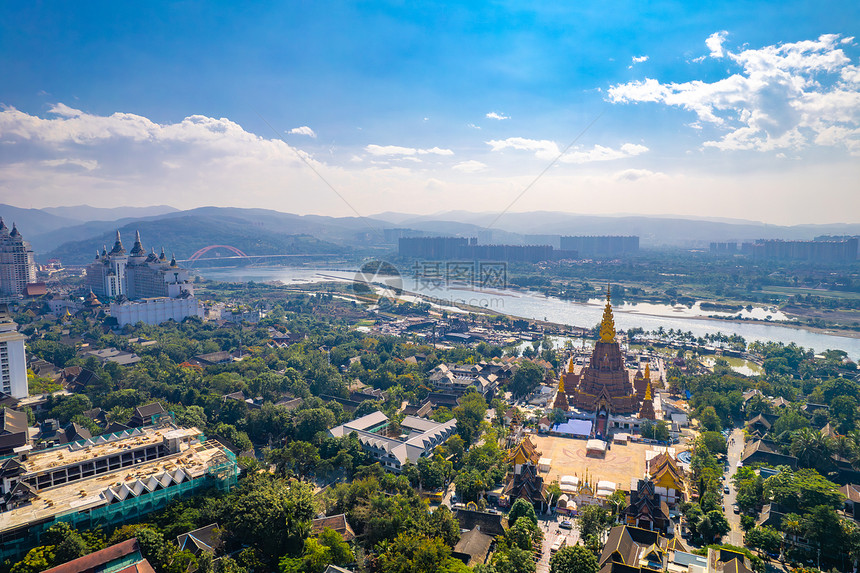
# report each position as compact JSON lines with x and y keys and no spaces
{"x":409,"y":553}
{"x":270,"y":514}
{"x":713,"y":525}
{"x":710,"y":420}
{"x":36,"y":560}
{"x":715,"y":442}
{"x":593,"y":520}
{"x":521,"y":508}
{"x":763,"y":538}
{"x":470,"y":413}
{"x":573,"y":559}
{"x":528,"y":377}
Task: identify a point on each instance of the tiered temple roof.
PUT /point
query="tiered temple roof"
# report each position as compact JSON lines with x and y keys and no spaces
{"x":646,"y":411}
{"x":605,"y":383}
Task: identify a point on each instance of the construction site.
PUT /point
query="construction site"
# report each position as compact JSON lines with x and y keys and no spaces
{"x":104,"y":481}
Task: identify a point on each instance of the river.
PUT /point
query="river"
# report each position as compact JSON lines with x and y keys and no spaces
{"x":536,"y":306}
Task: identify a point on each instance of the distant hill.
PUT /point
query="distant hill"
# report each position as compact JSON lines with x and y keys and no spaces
{"x":184,"y":235}
{"x":32,"y":222}
{"x":84,"y":213}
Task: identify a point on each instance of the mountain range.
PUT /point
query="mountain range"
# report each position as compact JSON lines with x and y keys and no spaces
{"x":73,"y":234}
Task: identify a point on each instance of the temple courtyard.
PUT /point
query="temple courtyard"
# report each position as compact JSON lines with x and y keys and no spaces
{"x":619,"y":464}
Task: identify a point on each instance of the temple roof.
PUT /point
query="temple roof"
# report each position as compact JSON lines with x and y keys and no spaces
{"x":607,"y":325}
{"x":525,"y":451}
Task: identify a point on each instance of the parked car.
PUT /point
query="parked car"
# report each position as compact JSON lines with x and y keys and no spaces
{"x":726,"y":490}
{"x":566,"y":524}
{"x":736,"y":508}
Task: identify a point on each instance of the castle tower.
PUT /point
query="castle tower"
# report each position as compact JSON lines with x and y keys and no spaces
{"x":17,"y":265}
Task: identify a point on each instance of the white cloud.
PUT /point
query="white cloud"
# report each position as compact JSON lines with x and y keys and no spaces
{"x":782,"y":96}
{"x":639,"y":59}
{"x":88,"y":164}
{"x":715,"y":43}
{"x":548,"y":150}
{"x":543,"y":148}
{"x":601,"y":153}
{"x":303,"y":130}
{"x":470,"y":166}
{"x":494,"y":115}
{"x":396,"y":150}
{"x":473,"y":126}
{"x":637,"y":174}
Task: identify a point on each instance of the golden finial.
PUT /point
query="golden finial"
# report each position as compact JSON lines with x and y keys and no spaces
{"x":607,"y":325}
{"x":648,"y":391}
{"x":561,"y":383}
{"x":570,"y":366}
{"x":648,"y":371}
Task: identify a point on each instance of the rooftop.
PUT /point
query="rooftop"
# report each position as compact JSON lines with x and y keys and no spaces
{"x":90,"y":493}
{"x":100,"y":446}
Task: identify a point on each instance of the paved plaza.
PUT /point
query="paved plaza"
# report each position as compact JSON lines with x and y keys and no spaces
{"x":619,"y":464}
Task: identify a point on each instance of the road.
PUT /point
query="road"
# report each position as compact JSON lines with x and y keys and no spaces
{"x":551,"y":531}
{"x":736,"y":449}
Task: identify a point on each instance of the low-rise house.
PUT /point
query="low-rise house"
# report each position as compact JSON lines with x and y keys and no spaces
{"x":206,"y":539}
{"x":124,"y":557}
{"x":473,"y":547}
{"x":114,"y":355}
{"x":146,"y":415}
{"x":14,"y":432}
{"x":336,"y":523}
{"x":765,"y":451}
{"x":852,"y":500}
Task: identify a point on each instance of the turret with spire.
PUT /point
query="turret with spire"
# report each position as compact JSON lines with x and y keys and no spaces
{"x":4,"y":230}
{"x":607,"y":324}
{"x":118,"y":249}
{"x":561,"y":402}
{"x":137,"y":251}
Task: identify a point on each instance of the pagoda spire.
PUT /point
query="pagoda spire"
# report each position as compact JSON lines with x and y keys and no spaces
{"x":607,"y":325}
{"x":570,"y":366}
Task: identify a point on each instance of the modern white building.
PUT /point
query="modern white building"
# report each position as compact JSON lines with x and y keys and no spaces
{"x":418,"y":437}
{"x":17,"y":266}
{"x":156,"y":310}
{"x":13,"y":359}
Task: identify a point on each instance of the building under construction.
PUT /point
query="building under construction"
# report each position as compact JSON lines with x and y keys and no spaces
{"x":105,"y":481}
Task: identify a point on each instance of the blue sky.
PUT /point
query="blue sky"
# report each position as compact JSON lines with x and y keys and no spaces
{"x":733,"y":109}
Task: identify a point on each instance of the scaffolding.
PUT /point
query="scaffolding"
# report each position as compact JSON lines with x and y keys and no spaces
{"x":222,"y":474}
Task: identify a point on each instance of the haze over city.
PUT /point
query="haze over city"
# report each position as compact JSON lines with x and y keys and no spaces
{"x":358,"y":109}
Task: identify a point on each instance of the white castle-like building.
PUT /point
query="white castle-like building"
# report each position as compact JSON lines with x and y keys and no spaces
{"x":145,"y":288}
{"x":17,"y":266}
{"x":136,"y":275}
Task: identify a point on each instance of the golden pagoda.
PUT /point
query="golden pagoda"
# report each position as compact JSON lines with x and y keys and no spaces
{"x":604,"y":386}
{"x":560,"y":402}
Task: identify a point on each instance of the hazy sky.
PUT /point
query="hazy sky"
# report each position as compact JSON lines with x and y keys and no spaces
{"x":725,"y":109}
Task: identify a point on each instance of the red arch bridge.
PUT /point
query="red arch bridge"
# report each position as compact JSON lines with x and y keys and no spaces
{"x":238,"y":254}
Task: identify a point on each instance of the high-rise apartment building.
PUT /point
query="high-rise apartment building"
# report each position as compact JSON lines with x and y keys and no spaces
{"x":17,"y":266}
{"x":13,"y":360}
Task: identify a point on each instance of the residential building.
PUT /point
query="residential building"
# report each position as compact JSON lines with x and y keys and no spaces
{"x":13,"y":357}
{"x":17,"y":266}
{"x":156,"y":310}
{"x":601,"y":246}
{"x":418,"y":438}
{"x":205,"y":539}
{"x":14,"y":432}
{"x":124,"y":557}
{"x":458,"y":378}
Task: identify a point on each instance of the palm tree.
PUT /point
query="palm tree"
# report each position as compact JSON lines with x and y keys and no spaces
{"x":812,"y":449}
{"x":844,"y":448}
